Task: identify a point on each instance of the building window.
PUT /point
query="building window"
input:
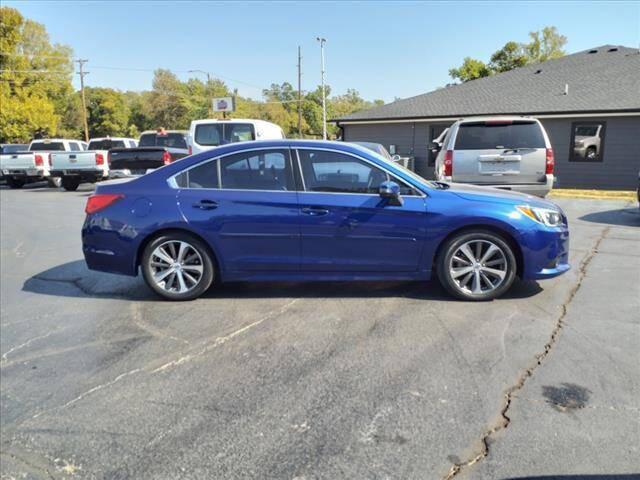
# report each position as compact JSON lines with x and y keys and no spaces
{"x":587,"y":141}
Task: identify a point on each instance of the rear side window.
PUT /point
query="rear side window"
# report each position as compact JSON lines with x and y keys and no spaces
{"x":214,"y":134}
{"x":202,"y":176}
{"x":106,"y":144}
{"x":172,"y":140}
{"x":489,"y":136}
{"x":48,"y":146}
{"x":257,"y":170}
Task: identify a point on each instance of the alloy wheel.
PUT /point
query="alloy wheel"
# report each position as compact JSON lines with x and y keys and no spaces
{"x":176,"y":266}
{"x":478,"y":267}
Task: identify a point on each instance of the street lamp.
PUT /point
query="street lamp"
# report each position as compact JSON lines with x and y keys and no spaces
{"x":324,"y":102}
{"x":208,"y":86}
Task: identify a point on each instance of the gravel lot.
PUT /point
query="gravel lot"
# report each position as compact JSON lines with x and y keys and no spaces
{"x":309,"y":381}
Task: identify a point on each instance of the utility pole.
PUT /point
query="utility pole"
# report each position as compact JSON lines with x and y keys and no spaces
{"x":299,"y":92}
{"x":324,"y":96}
{"x":82,"y":73}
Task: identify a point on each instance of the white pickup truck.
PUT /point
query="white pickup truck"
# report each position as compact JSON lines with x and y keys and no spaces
{"x":92,"y":165}
{"x":34,"y":165}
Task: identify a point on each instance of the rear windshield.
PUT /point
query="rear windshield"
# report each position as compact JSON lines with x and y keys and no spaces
{"x":49,"y":146}
{"x":214,"y":134}
{"x":587,"y":130}
{"x":173,"y":140}
{"x":106,"y":144}
{"x":13,"y":148}
{"x":483,"y":136}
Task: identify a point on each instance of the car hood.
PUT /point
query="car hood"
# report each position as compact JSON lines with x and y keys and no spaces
{"x":496,"y":195}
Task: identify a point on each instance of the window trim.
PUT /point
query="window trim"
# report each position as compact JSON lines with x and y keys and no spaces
{"x":394,"y":177}
{"x":572,"y":141}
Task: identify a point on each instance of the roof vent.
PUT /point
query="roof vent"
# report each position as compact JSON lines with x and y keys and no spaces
{"x":538,"y":71}
{"x":613,"y":49}
{"x":593,"y":51}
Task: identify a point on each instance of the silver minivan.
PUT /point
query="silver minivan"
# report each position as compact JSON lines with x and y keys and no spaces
{"x":512,"y":153}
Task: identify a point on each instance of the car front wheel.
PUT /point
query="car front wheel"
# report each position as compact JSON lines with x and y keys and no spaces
{"x":177,"y":266}
{"x":477,"y":265}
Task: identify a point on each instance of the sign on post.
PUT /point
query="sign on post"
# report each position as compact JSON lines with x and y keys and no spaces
{"x":223,"y":104}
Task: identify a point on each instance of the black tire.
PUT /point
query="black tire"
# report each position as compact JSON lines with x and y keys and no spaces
{"x":207,"y":262}
{"x":445,"y":262}
{"x":54,"y":182}
{"x":15,"y":183}
{"x":591,"y":153}
{"x":70,"y":184}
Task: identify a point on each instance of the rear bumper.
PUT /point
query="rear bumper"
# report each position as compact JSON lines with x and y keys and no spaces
{"x":24,"y":173}
{"x":85,"y":175}
{"x":545,"y":253}
{"x":127,"y":173}
{"x":536,"y":189}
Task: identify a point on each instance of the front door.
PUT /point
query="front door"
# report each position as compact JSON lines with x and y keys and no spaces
{"x":346,"y":226}
{"x":247,"y":207}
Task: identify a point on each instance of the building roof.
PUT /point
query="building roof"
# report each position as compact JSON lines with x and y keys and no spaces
{"x":602,"y":79}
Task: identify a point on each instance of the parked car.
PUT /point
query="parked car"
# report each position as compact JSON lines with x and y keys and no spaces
{"x":316,"y":210}
{"x":34,"y":164}
{"x":380,"y":150}
{"x":512,"y":153}
{"x":587,"y":142}
{"x":13,"y":147}
{"x":155,"y":149}
{"x":207,"y":134}
{"x":91,"y":165}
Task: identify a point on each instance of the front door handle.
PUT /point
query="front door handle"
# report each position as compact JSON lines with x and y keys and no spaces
{"x":315,"y":211}
{"x":206,"y":205}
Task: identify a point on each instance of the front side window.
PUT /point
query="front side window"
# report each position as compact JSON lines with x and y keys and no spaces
{"x":257,"y":170}
{"x":326,"y":171}
{"x":499,"y":135}
{"x":214,"y":134}
{"x":587,"y":141}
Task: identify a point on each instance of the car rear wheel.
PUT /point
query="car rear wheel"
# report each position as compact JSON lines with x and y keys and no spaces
{"x":177,"y":266}
{"x":70,"y":184}
{"x":15,"y":183}
{"x":54,"y":182}
{"x":477,"y":265}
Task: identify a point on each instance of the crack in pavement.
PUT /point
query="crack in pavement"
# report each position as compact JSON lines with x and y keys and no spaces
{"x":511,"y":392}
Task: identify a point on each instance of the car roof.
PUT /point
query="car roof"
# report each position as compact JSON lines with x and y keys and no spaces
{"x":485,"y":118}
{"x":229,"y":120}
{"x":183,"y":132}
{"x":98,"y":139}
{"x":48,"y":140}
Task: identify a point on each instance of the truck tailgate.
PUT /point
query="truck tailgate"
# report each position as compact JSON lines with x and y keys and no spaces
{"x":74,"y":160}
{"x":19,"y":161}
{"x":140,"y":158}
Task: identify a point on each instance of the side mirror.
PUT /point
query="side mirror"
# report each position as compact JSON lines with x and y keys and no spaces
{"x":396,"y":158}
{"x":390,"y":191}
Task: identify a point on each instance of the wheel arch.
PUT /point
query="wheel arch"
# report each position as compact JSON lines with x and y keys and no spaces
{"x":496,"y":230}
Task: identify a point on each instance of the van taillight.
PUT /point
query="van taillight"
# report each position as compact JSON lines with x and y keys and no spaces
{"x":550,"y":162}
{"x":100,"y":201}
{"x":166,"y":158}
{"x":39,"y":161}
{"x":448,"y":163}
{"x":99,"y":159}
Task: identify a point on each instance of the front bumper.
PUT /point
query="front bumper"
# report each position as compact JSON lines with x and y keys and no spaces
{"x":545,"y":252}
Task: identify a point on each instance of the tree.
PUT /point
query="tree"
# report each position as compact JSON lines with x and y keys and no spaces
{"x":470,"y":70}
{"x":108,"y":112}
{"x":35,"y":79}
{"x":544,"y":45}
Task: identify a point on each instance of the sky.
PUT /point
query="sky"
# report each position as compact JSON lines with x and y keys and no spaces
{"x":382,"y":49}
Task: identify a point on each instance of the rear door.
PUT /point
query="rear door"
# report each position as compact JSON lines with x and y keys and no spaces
{"x":346,"y":226}
{"x":246,"y":205}
{"x":499,"y":152}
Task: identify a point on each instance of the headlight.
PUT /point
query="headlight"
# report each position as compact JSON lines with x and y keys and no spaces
{"x":579,"y":143}
{"x":546,"y":216}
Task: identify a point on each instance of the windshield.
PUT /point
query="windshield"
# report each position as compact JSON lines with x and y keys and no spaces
{"x":214,"y":134}
{"x":175,"y":140}
{"x":490,"y":136}
{"x":47,"y":146}
{"x":106,"y":144}
{"x":413,"y":175}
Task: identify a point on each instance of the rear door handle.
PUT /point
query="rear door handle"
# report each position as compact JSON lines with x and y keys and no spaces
{"x":206,"y":205}
{"x":315,"y":211}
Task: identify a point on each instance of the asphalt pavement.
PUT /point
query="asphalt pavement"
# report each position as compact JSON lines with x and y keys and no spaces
{"x":100,"y":379}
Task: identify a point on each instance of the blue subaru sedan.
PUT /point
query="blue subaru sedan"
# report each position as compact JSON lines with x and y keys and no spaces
{"x":316,"y":210}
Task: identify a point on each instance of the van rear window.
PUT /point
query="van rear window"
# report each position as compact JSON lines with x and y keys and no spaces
{"x":214,"y":134}
{"x":488,"y":136}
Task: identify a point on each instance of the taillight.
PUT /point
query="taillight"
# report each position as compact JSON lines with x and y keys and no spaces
{"x":100,"y":201}
{"x":99,"y":159}
{"x":550,"y":162}
{"x":190,"y":150}
{"x":166,"y":158}
{"x":448,"y":163}
{"x":50,"y":160}
{"x":39,"y":161}
{"x":109,"y":158}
